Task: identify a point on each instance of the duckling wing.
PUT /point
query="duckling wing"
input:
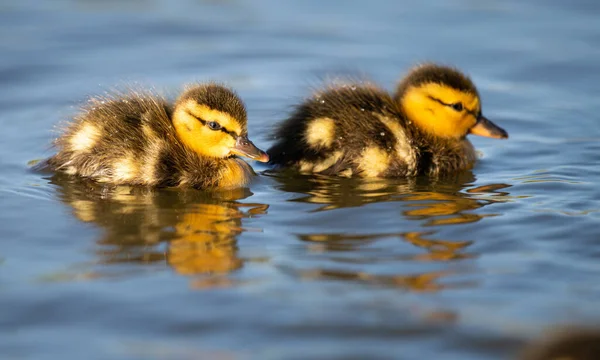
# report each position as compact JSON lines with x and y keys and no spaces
{"x":110,"y":139}
{"x":343,"y":131}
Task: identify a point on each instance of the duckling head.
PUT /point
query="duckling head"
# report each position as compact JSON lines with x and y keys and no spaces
{"x":211,"y":120}
{"x":445,"y":103}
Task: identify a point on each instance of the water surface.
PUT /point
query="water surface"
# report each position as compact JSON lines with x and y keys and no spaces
{"x":468,"y":267}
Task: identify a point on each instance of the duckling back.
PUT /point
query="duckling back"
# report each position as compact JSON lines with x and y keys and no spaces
{"x":354,"y":129}
{"x":130,"y":139}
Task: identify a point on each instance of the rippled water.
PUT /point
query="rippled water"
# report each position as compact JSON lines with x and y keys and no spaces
{"x":302,"y":267}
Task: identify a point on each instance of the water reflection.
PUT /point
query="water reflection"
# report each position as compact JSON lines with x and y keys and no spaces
{"x":424,"y":282}
{"x":193,"y":232}
{"x":427,"y":205}
{"x":436,"y":249}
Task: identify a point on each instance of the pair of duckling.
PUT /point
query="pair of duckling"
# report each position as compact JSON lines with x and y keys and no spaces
{"x":348,"y":130}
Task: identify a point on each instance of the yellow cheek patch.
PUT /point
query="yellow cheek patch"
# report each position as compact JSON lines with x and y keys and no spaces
{"x":450,"y":95}
{"x":373,"y":161}
{"x":421,"y":107}
{"x":320,"y":133}
{"x":85,"y":138}
{"x":188,"y":128}
{"x":200,"y":138}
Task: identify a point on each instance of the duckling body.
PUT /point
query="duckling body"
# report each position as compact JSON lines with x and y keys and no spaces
{"x":362,"y":130}
{"x":141,"y":139}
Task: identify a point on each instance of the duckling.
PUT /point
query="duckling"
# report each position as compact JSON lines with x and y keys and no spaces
{"x":569,"y":343}
{"x":362,"y":130}
{"x":141,"y":139}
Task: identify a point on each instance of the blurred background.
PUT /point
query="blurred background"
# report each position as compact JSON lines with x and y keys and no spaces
{"x":471,"y":267}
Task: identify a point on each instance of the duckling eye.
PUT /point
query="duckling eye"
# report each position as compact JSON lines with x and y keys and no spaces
{"x":457,"y":106}
{"x":213,"y":125}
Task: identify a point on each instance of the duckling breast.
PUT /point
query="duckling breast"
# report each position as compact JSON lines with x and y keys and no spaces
{"x":235,"y":173}
{"x":216,"y":173}
{"x":442,"y":157}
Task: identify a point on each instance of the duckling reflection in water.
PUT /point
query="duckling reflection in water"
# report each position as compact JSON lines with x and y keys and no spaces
{"x":425,"y":282}
{"x":333,"y":192}
{"x":140,"y":139}
{"x":428,"y":202}
{"x":431,"y":281}
{"x":361,"y":130}
{"x":205,"y":241}
{"x":200,"y":229}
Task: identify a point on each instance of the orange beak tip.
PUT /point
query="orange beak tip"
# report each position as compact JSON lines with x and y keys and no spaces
{"x":246,"y":148}
{"x":486,"y":128}
{"x":264,"y":157}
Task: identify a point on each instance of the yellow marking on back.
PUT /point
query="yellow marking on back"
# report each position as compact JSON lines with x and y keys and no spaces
{"x":404,"y":149}
{"x":346,"y":173}
{"x":151,"y":156}
{"x":197,"y":136}
{"x":125,"y":169}
{"x":148,"y":132}
{"x":328,"y":162}
{"x":84,"y":138}
{"x":438,"y":119}
{"x":305,"y":166}
{"x":320,"y":132}
{"x":70,"y":170}
{"x":373,"y":161}
{"x":150,"y":161}
{"x":237,"y":173}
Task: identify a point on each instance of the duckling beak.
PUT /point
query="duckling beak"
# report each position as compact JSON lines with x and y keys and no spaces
{"x":245,"y":147}
{"x":484,"y":127}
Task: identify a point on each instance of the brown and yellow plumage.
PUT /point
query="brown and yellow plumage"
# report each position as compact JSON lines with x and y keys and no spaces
{"x":139,"y":138}
{"x":362,"y":130}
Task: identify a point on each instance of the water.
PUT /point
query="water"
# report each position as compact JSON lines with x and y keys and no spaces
{"x":306,"y":267}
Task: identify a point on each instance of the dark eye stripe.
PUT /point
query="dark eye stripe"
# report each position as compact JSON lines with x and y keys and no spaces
{"x":223,"y":129}
{"x":471,"y":112}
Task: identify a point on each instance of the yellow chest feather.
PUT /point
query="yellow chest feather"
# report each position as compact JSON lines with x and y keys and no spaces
{"x":236,"y":173}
